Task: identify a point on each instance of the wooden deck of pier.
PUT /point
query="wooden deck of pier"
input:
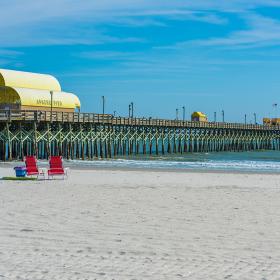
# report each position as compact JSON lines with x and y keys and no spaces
{"x":89,"y":135}
{"x":64,"y":117}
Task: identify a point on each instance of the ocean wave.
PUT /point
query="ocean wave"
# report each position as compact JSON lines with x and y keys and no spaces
{"x":248,"y":165}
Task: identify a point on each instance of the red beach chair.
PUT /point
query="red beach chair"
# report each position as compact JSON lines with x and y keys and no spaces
{"x":56,"y":167}
{"x":31,"y":166}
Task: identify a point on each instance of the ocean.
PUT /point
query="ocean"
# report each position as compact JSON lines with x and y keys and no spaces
{"x":260,"y":161}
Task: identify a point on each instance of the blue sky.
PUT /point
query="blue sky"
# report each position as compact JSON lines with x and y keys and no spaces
{"x":162,"y":55}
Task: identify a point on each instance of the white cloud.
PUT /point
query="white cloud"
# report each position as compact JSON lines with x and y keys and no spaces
{"x":261,"y":31}
{"x":109,"y":55}
{"x":9,"y":58}
{"x":257,"y":31}
{"x":8,"y":53}
{"x":49,"y":22}
{"x":66,"y":22}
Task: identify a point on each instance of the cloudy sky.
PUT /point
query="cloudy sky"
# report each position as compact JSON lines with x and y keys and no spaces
{"x":162,"y":55}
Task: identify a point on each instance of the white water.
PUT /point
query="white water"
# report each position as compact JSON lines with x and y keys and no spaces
{"x":209,"y":164}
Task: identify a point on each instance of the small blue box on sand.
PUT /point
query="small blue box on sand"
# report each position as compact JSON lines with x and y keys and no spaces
{"x":20,"y":171}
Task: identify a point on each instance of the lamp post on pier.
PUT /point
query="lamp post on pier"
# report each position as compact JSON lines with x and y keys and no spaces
{"x":129,"y":110}
{"x":245,"y":119}
{"x":255,"y":118}
{"x":184,"y":113}
{"x":177,"y":113}
{"x":51,"y":93}
{"x":223,"y":115}
{"x":132,"y":109}
{"x":215,"y":116}
{"x":103,"y":104}
{"x":275,"y":107}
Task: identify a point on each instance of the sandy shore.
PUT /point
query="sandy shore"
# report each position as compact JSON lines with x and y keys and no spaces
{"x":106,"y":224}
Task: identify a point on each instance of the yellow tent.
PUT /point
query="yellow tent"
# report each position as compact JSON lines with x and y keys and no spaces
{"x":35,"y":99}
{"x":21,"y":79}
{"x":32,"y":91}
{"x":199,"y":117}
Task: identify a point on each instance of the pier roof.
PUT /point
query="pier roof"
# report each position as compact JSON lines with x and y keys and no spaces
{"x":19,"y":79}
{"x":38,"y":98}
{"x":198,"y":114}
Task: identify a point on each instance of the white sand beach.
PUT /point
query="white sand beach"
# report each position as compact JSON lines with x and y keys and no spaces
{"x":106,"y":224}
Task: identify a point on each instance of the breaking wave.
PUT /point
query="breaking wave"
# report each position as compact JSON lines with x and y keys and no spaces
{"x":258,"y":161}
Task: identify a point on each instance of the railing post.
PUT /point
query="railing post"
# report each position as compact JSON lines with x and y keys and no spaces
{"x":9,"y":115}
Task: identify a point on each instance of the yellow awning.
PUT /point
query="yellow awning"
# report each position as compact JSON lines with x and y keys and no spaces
{"x":21,"y":79}
{"x":38,"y":98}
{"x":198,"y":114}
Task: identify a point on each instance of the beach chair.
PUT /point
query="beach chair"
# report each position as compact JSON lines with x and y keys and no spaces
{"x":31,"y":166}
{"x":56,"y":167}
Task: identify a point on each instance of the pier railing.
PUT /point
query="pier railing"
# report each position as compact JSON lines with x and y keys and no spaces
{"x":107,"y":119}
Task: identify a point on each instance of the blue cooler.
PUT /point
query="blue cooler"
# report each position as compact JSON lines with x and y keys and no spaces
{"x":20,"y":171}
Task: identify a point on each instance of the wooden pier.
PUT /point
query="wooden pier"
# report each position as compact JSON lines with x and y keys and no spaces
{"x":91,"y":136}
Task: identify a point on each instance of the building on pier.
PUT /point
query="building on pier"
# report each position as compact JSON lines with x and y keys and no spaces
{"x":199,"y":117}
{"x":267,"y":121}
{"x":273,"y":121}
{"x":31,"y":91}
